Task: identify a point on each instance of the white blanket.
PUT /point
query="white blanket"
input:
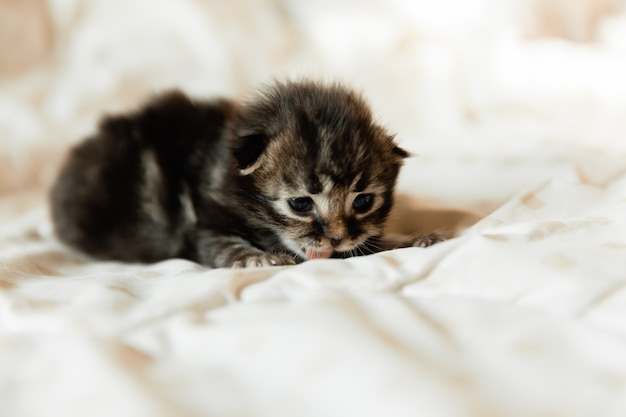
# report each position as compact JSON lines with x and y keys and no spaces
{"x":516,"y":114}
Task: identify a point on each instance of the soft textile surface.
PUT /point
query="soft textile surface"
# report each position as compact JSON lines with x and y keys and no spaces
{"x":516,"y":114}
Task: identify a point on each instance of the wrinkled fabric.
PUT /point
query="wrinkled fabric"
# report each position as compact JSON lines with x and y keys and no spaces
{"x":514,"y":114}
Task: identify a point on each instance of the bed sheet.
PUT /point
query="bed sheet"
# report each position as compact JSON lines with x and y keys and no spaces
{"x":522,"y":313}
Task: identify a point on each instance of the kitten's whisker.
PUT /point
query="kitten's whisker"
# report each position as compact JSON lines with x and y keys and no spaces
{"x":364,"y":249}
{"x":374,"y":240}
{"x":372,"y":246}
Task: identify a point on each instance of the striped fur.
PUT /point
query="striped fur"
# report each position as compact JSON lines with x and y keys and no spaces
{"x":212,"y":181}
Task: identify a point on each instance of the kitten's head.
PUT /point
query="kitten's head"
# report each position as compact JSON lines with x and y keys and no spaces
{"x":323,"y":172}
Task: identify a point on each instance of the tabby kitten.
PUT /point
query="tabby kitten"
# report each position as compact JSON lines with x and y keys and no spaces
{"x":300,"y":172}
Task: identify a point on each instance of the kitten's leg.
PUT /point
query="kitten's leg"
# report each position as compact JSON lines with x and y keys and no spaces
{"x":223,"y":251}
{"x":389,"y":242}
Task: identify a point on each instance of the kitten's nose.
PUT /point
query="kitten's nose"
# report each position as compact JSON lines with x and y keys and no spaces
{"x":335,"y":242}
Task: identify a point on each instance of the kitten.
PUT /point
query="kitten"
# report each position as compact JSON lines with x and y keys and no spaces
{"x":300,"y":172}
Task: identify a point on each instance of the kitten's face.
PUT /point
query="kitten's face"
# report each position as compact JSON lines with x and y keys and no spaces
{"x":324,"y":170}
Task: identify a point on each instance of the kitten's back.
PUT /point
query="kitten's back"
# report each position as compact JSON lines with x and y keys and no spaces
{"x":122,"y":193}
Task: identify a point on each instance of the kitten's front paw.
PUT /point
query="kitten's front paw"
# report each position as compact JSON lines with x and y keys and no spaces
{"x":263,"y":259}
{"x":430,"y":239}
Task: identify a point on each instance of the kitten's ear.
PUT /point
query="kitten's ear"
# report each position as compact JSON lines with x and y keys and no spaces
{"x":248,"y":152}
{"x":398,"y":151}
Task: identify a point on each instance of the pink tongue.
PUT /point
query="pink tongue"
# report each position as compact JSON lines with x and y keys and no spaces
{"x":311,"y":254}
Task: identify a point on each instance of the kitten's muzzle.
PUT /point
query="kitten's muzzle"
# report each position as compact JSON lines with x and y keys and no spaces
{"x":335,"y":232}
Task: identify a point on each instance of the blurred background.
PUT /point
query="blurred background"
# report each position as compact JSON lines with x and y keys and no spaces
{"x":492,"y":96}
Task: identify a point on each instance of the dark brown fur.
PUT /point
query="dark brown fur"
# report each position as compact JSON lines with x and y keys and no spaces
{"x":214,"y":181}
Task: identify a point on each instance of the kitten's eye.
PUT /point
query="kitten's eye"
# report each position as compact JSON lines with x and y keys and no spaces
{"x":301,"y":204}
{"x":363,"y":202}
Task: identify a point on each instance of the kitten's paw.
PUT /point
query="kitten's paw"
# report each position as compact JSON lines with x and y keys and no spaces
{"x":263,"y":259}
{"x":430,"y":239}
